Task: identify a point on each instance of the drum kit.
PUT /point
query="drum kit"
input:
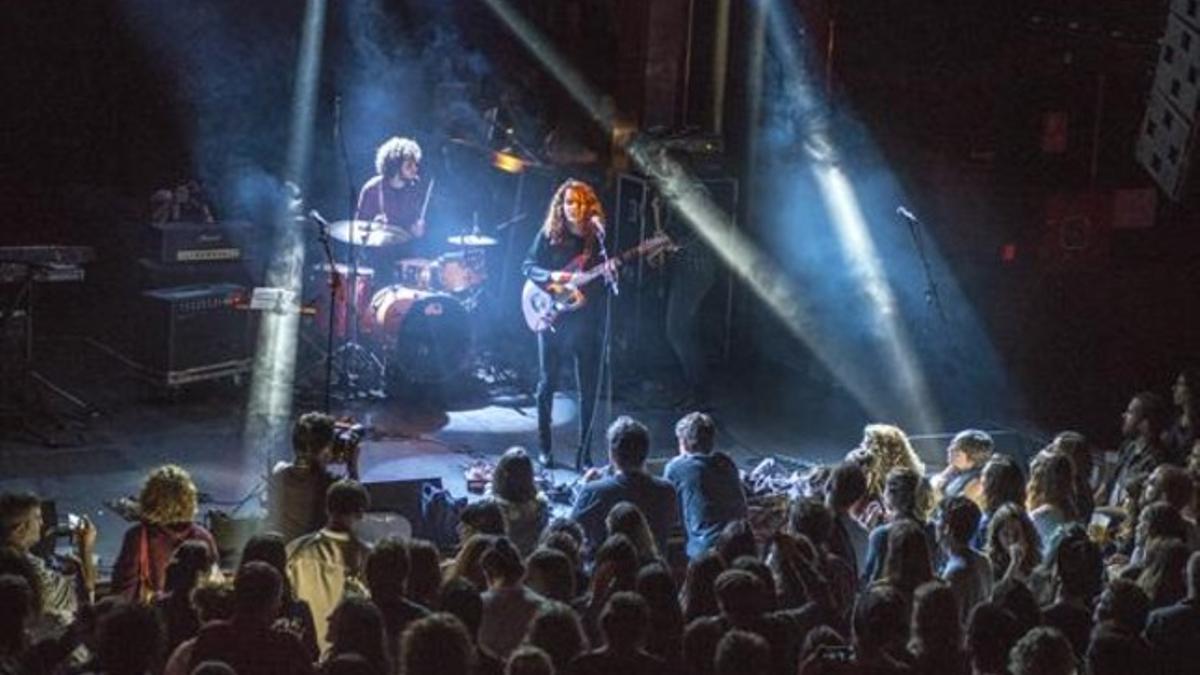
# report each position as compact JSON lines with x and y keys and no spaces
{"x":410,"y":324}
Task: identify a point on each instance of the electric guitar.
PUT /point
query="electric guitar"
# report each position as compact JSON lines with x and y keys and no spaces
{"x":543,"y":304}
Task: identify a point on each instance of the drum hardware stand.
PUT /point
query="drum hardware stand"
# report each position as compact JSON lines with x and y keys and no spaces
{"x":492,"y":365}
{"x":329,"y":362}
{"x":360,"y":366}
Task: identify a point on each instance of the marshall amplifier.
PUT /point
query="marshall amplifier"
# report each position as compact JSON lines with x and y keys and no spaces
{"x":154,"y":274}
{"x":200,"y":242}
{"x":193,"y":333}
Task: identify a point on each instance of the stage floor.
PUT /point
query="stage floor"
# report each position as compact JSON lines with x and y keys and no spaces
{"x":106,"y":457}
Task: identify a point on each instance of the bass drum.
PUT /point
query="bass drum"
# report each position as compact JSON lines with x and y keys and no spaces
{"x":426,"y":337}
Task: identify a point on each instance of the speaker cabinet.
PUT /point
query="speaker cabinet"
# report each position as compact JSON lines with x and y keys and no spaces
{"x":189,"y":333}
{"x":402,"y":497}
{"x":1168,"y":133}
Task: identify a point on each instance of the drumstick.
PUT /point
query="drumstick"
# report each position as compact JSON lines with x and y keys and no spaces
{"x":428,"y":192}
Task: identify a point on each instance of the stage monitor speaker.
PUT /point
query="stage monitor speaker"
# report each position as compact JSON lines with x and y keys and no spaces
{"x":231,"y":534}
{"x":402,"y":497}
{"x":1167,"y":139}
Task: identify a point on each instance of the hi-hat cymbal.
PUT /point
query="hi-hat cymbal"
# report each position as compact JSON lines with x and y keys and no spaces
{"x":471,"y":240}
{"x":367,"y":233}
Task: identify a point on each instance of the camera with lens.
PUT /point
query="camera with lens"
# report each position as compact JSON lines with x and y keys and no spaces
{"x":346,"y":438}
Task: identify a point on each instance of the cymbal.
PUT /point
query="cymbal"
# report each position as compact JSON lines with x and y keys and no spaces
{"x":471,"y":240}
{"x":509,"y":160}
{"x":367,"y":233}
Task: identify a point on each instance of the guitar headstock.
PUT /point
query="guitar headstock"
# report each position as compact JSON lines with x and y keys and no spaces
{"x":657,"y":244}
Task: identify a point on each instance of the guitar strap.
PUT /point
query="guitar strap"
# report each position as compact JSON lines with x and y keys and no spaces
{"x":579,"y":262}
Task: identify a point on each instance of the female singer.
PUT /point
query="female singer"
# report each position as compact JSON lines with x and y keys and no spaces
{"x":569,"y":243}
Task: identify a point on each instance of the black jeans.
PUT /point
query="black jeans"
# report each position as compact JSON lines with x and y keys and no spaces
{"x":577,"y":342}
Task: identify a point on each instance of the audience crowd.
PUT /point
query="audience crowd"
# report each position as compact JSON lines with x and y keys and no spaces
{"x":1075,"y":561}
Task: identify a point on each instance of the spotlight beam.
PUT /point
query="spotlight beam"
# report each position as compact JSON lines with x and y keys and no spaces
{"x":851,"y":227}
{"x":862,"y":257}
{"x":598,"y":106}
{"x":269,"y":409}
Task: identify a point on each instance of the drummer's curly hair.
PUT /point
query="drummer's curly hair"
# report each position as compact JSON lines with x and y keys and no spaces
{"x":392,"y":153}
{"x":555,"y":227}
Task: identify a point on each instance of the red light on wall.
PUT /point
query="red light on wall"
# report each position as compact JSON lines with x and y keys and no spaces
{"x":1008,"y":253}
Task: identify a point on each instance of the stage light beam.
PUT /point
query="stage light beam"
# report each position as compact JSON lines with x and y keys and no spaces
{"x":859,"y":250}
{"x":269,"y":409}
{"x":808,"y":109}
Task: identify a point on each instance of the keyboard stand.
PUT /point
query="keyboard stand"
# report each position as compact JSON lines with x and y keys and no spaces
{"x":24,"y":392}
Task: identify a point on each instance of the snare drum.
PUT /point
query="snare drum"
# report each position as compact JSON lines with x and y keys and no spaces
{"x":415,"y":273}
{"x":319,"y":280}
{"x":459,"y":271}
{"x":426,"y":336}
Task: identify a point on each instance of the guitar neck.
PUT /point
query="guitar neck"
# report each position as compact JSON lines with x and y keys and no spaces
{"x":587,"y":277}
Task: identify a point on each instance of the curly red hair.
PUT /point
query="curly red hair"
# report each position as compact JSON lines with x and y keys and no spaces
{"x":555,"y":225}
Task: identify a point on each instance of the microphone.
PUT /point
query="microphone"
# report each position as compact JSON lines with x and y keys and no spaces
{"x":907,"y":215}
{"x":317,"y":217}
{"x":598,"y":225}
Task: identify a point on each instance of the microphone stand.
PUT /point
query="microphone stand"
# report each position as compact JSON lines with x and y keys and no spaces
{"x":356,"y":357}
{"x":351,"y":292}
{"x":609,"y":277}
{"x":604,"y":375}
{"x":334,"y":283}
{"x":931,"y":290}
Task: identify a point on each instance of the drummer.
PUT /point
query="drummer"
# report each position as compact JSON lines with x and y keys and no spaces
{"x":395,"y":197}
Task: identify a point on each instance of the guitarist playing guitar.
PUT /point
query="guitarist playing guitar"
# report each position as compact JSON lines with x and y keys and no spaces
{"x":564,"y":247}
{"x":566,"y":259}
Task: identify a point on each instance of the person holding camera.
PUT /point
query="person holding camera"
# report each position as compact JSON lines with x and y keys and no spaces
{"x":63,"y":592}
{"x":296,"y":490}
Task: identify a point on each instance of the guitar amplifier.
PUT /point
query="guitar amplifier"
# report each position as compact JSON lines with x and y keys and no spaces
{"x":154,"y":274}
{"x":200,"y":242}
{"x":194,"y":333}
